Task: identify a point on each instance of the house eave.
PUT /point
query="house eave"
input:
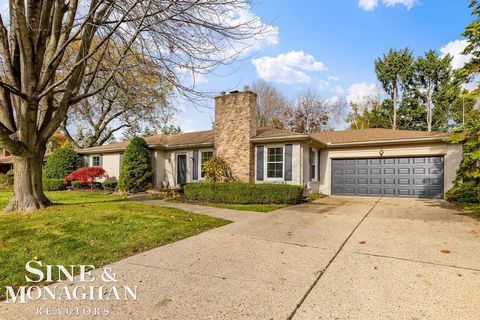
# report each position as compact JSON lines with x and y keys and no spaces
{"x":385,"y":142}
{"x":151,"y":147}
{"x":280,"y":138}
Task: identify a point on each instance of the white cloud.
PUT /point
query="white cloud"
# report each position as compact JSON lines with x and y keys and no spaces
{"x":406,"y":3}
{"x":455,"y":48}
{"x":338,"y":89}
{"x":359,"y":91}
{"x":368,"y":5}
{"x":333,"y":78}
{"x":327,"y":85}
{"x":292,"y":67}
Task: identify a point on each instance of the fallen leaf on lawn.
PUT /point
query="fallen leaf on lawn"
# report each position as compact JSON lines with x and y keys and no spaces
{"x":445,"y":251}
{"x":361,"y":242}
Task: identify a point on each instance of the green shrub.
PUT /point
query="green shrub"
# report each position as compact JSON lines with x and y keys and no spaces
{"x":4,"y":179}
{"x":136,"y":174}
{"x":464,"y":192}
{"x":243,"y":193}
{"x":79,"y":185}
{"x":53,"y":184}
{"x":61,"y":163}
{"x":110,"y":184}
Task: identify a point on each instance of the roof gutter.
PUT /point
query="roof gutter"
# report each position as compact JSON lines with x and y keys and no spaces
{"x":396,"y":141}
{"x":282,"y":138}
{"x":150,"y":146}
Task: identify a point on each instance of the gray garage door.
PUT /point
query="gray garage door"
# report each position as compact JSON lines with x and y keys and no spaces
{"x":393,"y":177}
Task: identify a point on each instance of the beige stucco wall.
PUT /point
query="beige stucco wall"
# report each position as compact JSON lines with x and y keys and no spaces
{"x":164,"y":165}
{"x":452,"y":153}
{"x":111,"y":164}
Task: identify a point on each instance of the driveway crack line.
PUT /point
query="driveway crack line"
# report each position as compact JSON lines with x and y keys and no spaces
{"x":181,"y":271}
{"x":286,"y":242}
{"x":322,"y":272}
{"x":413,"y":260}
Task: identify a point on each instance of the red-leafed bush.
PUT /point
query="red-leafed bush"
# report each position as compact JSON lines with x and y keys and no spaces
{"x":85,"y":175}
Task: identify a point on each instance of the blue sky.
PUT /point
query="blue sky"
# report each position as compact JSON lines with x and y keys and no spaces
{"x":331,"y":46}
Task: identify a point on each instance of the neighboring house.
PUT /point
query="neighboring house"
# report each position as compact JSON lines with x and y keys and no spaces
{"x":6,"y":161}
{"x":363,"y":162}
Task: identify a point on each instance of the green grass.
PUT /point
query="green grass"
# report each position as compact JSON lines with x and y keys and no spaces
{"x":315,"y":196}
{"x":88,"y":228}
{"x":241,"y":207}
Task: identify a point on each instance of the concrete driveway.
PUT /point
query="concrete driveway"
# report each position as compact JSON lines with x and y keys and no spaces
{"x":339,"y":258}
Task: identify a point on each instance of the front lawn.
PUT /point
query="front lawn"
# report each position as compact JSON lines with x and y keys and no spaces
{"x":88,"y":228}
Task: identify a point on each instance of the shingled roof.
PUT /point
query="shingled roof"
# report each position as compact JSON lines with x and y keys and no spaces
{"x":374,"y":135}
{"x":326,"y":138}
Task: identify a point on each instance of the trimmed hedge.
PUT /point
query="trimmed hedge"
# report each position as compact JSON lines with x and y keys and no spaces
{"x":53,"y":185}
{"x":243,"y":193}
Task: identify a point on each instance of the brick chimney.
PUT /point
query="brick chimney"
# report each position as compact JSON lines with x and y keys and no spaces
{"x":235,"y":124}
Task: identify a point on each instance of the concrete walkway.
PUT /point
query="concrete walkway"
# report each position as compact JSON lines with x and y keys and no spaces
{"x":340,"y":258}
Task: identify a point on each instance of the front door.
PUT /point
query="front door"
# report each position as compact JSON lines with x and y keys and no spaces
{"x":181,"y":169}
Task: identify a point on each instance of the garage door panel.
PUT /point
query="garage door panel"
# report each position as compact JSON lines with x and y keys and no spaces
{"x":419,"y":170}
{"x":396,"y":177}
{"x":419,"y":192}
{"x":362,"y":181}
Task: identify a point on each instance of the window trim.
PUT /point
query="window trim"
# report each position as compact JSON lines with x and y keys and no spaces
{"x":266,"y":162}
{"x":200,"y":152}
{"x":314,"y":163}
{"x":99,"y":160}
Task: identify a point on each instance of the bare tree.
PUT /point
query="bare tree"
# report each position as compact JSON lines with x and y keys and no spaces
{"x":46,"y":46}
{"x":271,"y":104}
{"x":136,"y":97}
{"x":311,"y":113}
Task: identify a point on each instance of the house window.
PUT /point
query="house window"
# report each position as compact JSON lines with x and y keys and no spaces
{"x":204,"y":156}
{"x":275,"y":163}
{"x":96,"y":161}
{"x":313,"y":165}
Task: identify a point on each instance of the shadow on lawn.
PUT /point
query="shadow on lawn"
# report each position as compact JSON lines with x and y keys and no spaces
{"x":81,"y":202}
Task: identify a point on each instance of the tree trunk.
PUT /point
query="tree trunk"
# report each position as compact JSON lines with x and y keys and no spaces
{"x":429,"y":107}
{"x":28,"y":190}
{"x":394,"y":125}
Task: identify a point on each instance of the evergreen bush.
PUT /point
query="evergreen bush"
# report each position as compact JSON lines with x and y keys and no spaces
{"x":61,"y":163}
{"x":136,"y":173}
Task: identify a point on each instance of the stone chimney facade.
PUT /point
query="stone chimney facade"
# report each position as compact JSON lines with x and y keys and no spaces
{"x":235,"y":124}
